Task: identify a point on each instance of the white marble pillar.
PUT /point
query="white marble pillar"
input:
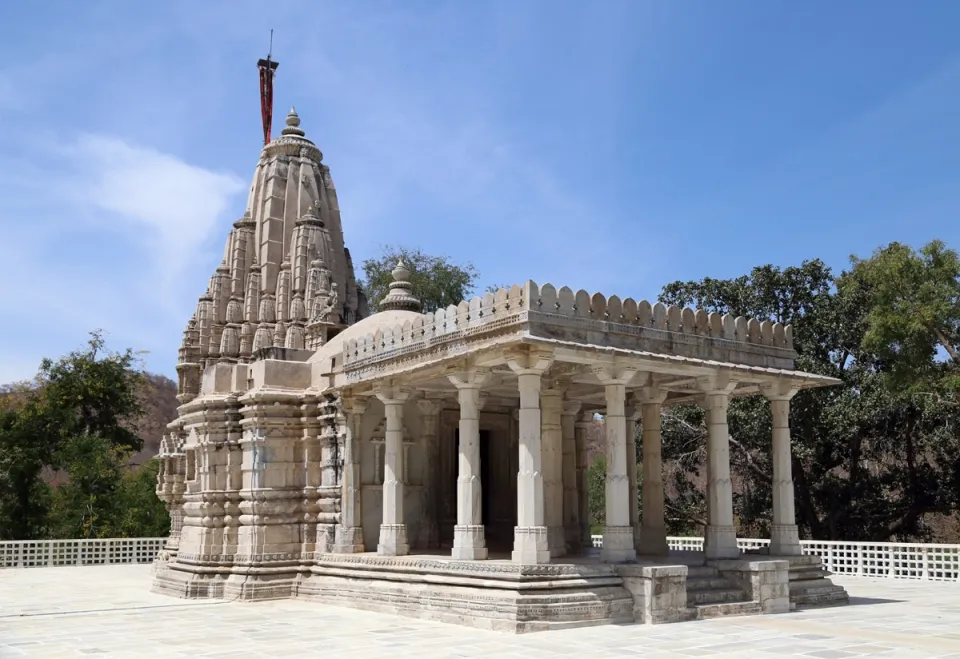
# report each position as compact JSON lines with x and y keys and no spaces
{"x":393,"y":530}
{"x":349,"y":533}
{"x":632,"y":415}
{"x":530,"y":534}
{"x":784,"y":535}
{"x":429,"y":537}
{"x":720,"y":540}
{"x":653,"y":531}
{"x":618,"y":545}
{"x":551,"y":447}
{"x":571,"y":497}
{"x":468,"y":533}
{"x":582,"y":428}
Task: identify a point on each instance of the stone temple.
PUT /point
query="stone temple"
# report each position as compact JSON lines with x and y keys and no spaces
{"x":434,"y":464}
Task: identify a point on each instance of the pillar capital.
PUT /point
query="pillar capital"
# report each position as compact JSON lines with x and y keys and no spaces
{"x":355,"y":405}
{"x":392,"y":394}
{"x":614,"y":373}
{"x":529,"y":361}
{"x":472,"y":378}
{"x":571,"y":407}
{"x":584,"y":418}
{"x":779,"y":389}
{"x":651,"y":394}
{"x":428,"y":406}
{"x":718,"y":383}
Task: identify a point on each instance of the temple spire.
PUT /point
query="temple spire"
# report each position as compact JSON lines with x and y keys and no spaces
{"x":400,"y":297}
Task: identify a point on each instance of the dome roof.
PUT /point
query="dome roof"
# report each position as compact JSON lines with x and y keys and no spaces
{"x":368,"y":325}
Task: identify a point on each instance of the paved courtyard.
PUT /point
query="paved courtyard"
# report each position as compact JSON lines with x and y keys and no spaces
{"x":109,"y":612}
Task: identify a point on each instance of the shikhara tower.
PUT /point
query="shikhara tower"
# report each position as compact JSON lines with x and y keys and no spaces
{"x":286,"y":279}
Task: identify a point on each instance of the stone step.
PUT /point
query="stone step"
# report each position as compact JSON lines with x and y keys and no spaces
{"x":707,"y":611}
{"x":814,"y":587}
{"x":701,"y":571}
{"x":705,"y":583}
{"x":807,"y":600}
{"x":697,"y":596}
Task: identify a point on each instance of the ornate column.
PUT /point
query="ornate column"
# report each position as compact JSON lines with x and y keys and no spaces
{"x":720,"y":540}
{"x":393,"y":531}
{"x":618,"y":543}
{"x":632,"y":415}
{"x":551,"y":406}
{"x":653,"y":531}
{"x":784,"y":536}
{"x":571,"y":497}
{"x":429,"y":529}
{"x":581,"y":428}
{"x":349,"y":536}
{"x":468,"y":536}
{"x":530,"y":534}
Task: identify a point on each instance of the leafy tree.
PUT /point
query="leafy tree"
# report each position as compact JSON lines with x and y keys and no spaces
{"x":914,"y":313}
{"x":869,"y":462}
{"x":437,"y":282}
{"x":75,"y":421}
{"x":597,"y":493}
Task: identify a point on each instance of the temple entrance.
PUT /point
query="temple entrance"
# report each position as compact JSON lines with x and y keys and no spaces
{"x":497,"y":487}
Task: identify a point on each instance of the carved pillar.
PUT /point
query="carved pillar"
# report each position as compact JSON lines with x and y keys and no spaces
{"x":582,"y":427}
{"x":393,"y":530}
{"x":653,"y":532}
{"x":530,"y":534}
{"x":784,"y":536}
{"x":551,"y":407}
{"x":429,"y":528}
{"x":632,"y":415}
{"x":618,"y":545}
{"x":571,"y":495}
{"x":720,"y":540}
{"x":349,"y":536}
{"x":469,"y":542}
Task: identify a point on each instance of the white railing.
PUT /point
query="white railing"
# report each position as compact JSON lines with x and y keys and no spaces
{"x":58,"y":553}
{"x":895,"y":560}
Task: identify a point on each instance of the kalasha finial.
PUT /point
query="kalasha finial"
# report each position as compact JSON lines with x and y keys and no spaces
{"x":401,"y":272}
{"x":400,"y":297}
{"x":293,"y":124}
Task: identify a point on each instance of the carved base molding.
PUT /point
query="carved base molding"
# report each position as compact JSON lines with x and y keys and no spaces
{"x":496,"y":595}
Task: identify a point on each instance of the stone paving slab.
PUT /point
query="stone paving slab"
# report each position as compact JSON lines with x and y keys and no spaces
{"x":109,"y":612}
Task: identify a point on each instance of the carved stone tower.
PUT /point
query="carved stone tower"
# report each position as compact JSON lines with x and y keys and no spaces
{"x":286,"y":279}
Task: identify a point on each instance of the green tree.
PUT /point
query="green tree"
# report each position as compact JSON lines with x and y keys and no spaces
{"x":869,"y":462}
{"x":76,"y":421}
{"x":597,"y":494}
{"x":914,"y":313}
{"x":437,"y":281}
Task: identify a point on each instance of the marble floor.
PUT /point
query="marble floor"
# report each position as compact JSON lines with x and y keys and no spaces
{"x":109,"y":612}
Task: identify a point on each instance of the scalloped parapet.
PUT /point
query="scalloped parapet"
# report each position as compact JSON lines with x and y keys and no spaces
{"x":487,"y":312}
{"x":565,"y":302}
{"x":542,"y":310}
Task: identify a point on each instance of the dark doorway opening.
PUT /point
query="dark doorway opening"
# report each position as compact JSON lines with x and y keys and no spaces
{"x":485,"y":481}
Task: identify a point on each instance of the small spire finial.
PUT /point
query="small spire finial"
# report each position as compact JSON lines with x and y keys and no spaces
{"x":293,"y":124}
{"x":400,"y":295}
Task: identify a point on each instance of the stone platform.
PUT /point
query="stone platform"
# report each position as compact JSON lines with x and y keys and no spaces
{"x":493,"y":594}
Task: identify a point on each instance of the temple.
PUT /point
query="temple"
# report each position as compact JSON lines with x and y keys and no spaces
{"x":434,"y":464}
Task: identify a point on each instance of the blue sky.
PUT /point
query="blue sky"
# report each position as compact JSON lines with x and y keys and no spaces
{"x":613,"y":145}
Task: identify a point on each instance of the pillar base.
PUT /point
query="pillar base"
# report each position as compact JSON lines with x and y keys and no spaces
{"x":348,"y":540}
{"x":469,"y":543}
{"x":618,"y":545}
{"x":721,"y":542}
{"x":556,"y":541}
{"x":652,"y":541}
{"x":785,"y":540}
{"x":530,"y":545}
{"x":393,"y":540}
